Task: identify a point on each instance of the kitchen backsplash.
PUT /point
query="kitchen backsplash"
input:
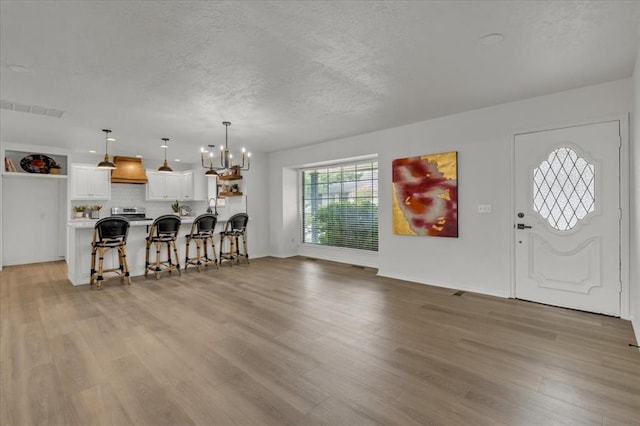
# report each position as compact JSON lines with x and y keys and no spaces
{"x":127,"y":195}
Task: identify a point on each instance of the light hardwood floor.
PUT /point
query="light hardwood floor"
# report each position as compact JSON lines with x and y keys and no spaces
{"x":297,"y":341}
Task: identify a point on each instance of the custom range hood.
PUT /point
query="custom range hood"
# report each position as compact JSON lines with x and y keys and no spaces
{"x":128,"y":170}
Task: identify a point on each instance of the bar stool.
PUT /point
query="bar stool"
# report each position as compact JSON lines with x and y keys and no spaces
{"x":234,"y":229}
{"x":109,"y":233}
{"x":164,"y":230}
{"x":202,"y":233}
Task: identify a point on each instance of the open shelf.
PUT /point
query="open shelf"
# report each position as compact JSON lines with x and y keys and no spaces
{"x":17,"y":156}
{"x":33,"y":175}
{"x":230,"y":177}
{"x":230,"y":194}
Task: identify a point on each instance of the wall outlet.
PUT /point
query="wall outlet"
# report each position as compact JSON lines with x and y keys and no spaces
{"x":484,"y":208}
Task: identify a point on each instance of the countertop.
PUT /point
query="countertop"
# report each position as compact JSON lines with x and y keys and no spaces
{"x":90,"y":223}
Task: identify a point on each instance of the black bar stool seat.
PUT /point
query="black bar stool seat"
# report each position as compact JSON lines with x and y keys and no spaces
{"x":109,"y":233}
{"x":202,"y":233}
{"x":164,"y":230}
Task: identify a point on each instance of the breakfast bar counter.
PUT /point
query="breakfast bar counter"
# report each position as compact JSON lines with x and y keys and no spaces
{"x":80,"y":235}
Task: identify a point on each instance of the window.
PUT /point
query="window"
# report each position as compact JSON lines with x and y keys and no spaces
{"x":340,"y":205}
{"x":563,"y":189}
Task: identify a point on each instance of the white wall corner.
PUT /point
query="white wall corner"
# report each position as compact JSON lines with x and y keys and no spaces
{"x":634,"y":195}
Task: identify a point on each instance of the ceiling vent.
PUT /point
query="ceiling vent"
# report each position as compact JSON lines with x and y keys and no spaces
{"x":33,"y":109}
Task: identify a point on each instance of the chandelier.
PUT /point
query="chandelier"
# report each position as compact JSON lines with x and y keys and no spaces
{"x":165,"y":167}
{"x":207,"y":157}
{"x":106,"y":164}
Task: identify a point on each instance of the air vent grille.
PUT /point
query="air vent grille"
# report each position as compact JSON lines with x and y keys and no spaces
{"x":33,"y":109}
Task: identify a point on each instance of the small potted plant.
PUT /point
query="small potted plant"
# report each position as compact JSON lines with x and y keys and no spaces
{"x":78,"y":211}
{"x":235,"y":188}
{"x":175,"y":207}
{"x":95,"y":211}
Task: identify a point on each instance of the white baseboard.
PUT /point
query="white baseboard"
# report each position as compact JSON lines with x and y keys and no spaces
{"x":365,"y":258}
{"x":504,"y":295}
{"x":635,"y":324}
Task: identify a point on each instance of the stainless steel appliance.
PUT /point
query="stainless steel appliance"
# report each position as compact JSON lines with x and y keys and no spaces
{"x":131,"y":213}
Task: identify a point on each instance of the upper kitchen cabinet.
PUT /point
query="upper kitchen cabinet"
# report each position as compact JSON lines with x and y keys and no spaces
{"x":163,"y":186}
{"x":186,"y":186}
{"x":88,"y":182}
{"x":201,"y":184}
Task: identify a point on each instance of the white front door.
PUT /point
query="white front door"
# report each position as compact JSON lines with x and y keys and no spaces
{"x":567,"y":217}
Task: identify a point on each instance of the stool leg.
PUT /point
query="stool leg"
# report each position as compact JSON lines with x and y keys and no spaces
{"x":212,"y":240}
{"x":125,"y":264}
{"x":205,"y":249}
{"x":169,"y":260}
{"x":224,"y":255}
{"x":120,"y":265}
{"x":237,"y":242}
{"x":146,"y":258}
{"x":198,"y":257}
{"x":232,"y":249}
{"x":175,"y":251}
{"x":101,"y":251}
{"x":221,"y":246}
{"x":92,"y":276}
{"x":157,"y":263}
{"x":186,"y":256}
{"x":244,"y":244}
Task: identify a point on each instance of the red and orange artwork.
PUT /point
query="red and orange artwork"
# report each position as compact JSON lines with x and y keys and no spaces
{"x":425,"y":195}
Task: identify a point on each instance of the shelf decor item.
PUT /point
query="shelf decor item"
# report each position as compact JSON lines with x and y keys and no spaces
{"x":55,"y":169}
{"x":78,"y":211}
{"x":94,"y":212}
{"x":9,"y":166}
{"x":37,"y":163}
{"x":425,"y":195}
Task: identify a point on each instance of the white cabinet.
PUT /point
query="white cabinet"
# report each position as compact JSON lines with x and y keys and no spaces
{"x":163,"y":186}
{"x":186,"y":186}
{"x":89,"y":183}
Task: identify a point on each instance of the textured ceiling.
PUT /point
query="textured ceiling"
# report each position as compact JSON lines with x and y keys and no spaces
{"x":288,"y":73}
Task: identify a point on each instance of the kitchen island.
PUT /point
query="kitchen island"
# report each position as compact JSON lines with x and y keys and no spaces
{"x":80,"y":235}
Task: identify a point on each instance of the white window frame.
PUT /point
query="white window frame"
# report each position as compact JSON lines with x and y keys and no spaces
{"x":357,"y":257}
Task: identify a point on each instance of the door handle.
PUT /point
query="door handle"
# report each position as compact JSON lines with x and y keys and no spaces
{"x":523,"y":226}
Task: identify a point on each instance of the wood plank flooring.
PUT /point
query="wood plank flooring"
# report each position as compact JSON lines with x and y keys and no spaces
{"x":301,"y":342}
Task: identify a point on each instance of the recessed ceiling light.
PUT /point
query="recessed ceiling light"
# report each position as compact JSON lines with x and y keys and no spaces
{"x":138,"y":156}
{"x":18,"y":68}
{"x":491,"y":39}
{"x":177,"y":159}
{"x":92,"y":151}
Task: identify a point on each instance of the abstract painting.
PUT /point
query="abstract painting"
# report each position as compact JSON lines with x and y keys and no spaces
{"x":425,"y":195}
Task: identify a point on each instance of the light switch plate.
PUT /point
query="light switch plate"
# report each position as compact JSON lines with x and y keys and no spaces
{"x":484,"y":208}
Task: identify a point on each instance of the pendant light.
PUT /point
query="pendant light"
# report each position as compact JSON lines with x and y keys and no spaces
{"x":225,"y":156}
{"x":106,"y":164}
{"x":165,"y":167}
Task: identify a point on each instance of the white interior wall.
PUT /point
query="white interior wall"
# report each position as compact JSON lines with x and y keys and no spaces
{"x":33,"y":230}
{"x":635,"y":203}
{"x":33,"y":209}
{"x":256,"y":187}
{"x":479,"y":260}
{"x":1,"y":221}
